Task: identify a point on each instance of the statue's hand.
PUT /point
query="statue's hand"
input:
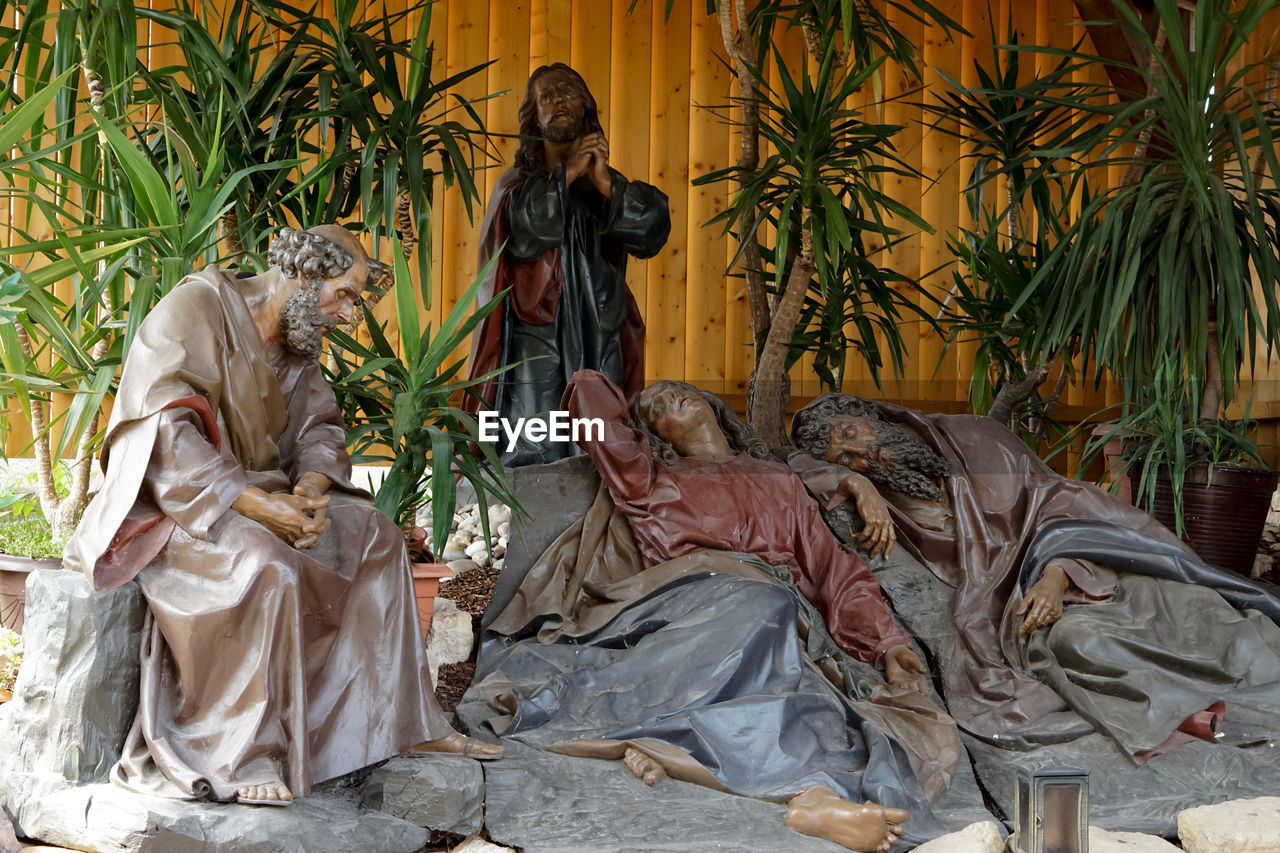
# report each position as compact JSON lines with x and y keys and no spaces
{"x":1043,"y":604}
{"x":312,"y":485}
{"x":291,"y":517}
{"x":877,"y":531}
{"x":903,"y":669}
{"x":595,"y":148}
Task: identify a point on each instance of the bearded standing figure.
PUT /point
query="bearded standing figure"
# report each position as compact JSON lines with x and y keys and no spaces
{"x":569,"y":222}
{"x":282,"y":645}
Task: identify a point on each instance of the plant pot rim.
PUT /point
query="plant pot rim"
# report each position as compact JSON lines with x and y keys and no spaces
{"x":439,"y":571}
{"x":15,"y":563}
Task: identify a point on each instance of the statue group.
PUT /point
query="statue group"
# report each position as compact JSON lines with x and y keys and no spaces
{"x":282,"y":646}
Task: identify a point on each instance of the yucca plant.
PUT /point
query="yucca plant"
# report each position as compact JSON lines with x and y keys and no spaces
{"x":397,"y":407}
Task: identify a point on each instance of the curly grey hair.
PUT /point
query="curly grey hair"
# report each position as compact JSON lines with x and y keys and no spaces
{"x":740,"y":436}
{"x":314,"y":257}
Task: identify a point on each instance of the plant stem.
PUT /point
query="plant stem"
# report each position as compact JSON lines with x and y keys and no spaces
{"x":767,"y":410}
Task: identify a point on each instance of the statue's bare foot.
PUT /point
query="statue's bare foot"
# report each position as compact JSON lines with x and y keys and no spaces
{"x":264,"y":795}
{"x":864,"y":827}
{"x":644,"y":767}
{"x":459,"y":744}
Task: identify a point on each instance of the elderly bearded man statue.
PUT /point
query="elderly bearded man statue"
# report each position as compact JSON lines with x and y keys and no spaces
{"x":282,"y":646}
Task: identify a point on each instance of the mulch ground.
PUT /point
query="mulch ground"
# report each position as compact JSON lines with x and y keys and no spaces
{"x":471,"y":591}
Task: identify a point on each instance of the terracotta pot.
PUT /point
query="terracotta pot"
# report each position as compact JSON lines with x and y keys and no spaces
{"x":13,"y":586}
{"x":1114,"y":468}
{"x":1223,"y":520}
{"x":426,"y":583}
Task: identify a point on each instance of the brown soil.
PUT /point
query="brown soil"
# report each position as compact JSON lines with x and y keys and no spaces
{"x":471,"y":591}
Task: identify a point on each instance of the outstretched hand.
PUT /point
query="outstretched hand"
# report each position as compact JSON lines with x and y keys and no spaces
{"x":1043,"y":603}
{"x":902,"y":668}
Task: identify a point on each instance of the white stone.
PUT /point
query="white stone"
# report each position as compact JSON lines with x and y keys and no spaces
{"x":975,"y":838}
{"x":477,"y":547}
{"x":498,"y":564}
{"x":476,"y":844}
{"x":482,"y":559}
{"x":462,"y":565}
{"x":1237,"y":826}
{"x":504,"y":529}
{"x":1102,"y":841}
{"x":1261,"y":565}
{"x":500,"y":549}
{"x":499,"y":513}
{"x":450,"y":637}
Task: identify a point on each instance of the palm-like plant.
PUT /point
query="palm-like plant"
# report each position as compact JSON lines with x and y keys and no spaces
{"x":1162,"y":268}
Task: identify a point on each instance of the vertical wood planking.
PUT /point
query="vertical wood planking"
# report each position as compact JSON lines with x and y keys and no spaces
{"x":664,"y":309}
{"x":705,"y":354}
{"x":590,"y":51}
{"x":509,"y":45}
{"x":627,"y":122}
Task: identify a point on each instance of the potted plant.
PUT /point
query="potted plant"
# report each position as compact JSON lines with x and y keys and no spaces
{"x":397,"y":405}
{"x":1170,"y":279}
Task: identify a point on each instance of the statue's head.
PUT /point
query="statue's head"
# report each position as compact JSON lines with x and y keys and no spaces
{"x":668,"y":411}
{"x":852,"y":432}
{"x":331,"y":269}
{"x":557,"y":107}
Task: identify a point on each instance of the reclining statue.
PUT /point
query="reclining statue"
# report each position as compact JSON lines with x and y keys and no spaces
{"x":282,"y":645}
{"x":1149,"y":663}
{"x":660,"y":629}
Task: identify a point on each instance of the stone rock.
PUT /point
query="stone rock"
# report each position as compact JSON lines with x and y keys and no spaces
{"x":462,"y":565}
{"x":443,"y":792}
{"x":981,"y":837}
{"x":541,"y":802}
{"x":1261,"y":565}
{"x":450,"y":638}
{"x":476,"y":548}
{"x":476,"y":844}
{"x":482,"y":559}
{"x":450,"y":555}
{"x":504,"y":529}
{"x":1101,"y":841}
{"x":8,"y":841}
{"x":498,"y":513}
{"x":499,"y":550}
{"x":76,"y":692}
{"x":108,"y":819}
{"x":1236,"y":826}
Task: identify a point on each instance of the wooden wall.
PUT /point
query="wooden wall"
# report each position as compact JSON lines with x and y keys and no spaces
{"x":655,"y":81}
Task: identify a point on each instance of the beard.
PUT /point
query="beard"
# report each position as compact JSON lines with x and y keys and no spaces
{"x":552,"y":132}
{"x":302,"y":324}
{"x":913,"y":468}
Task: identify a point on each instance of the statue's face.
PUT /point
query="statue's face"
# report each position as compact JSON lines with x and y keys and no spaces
{"x":337,"y":297}
{"x":560,"y":106}
{"x":853,"y":443}
{"x":674,"y":412}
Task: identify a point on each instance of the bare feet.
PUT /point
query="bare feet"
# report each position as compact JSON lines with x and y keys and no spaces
{"x":644,"y":767}
{"x":264,"y":795}
{"x":459,"y":744}
{"x":864,"y":827}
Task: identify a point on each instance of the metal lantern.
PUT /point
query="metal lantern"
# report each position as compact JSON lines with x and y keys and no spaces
{"x":1051,"y":810}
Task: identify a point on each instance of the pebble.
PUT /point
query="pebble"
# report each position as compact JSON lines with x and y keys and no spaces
{"x":464,"y":565}
{"x":1238,"y":826}
{"x":466,"y":545}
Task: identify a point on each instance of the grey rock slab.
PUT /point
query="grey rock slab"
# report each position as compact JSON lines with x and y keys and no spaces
{"x":555,"y":495}
{"x":1101,"y":841}
{"x":984,"y":837}
{"x":444,"y":792}
{"x":77,"y":690}
{"x":1238,"y":826}
{"x":8,"y":841}
{"x":542,"y":802}
{"x":108,"y":819}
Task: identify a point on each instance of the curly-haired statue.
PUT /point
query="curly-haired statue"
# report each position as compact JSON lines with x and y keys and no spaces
{"x":282,"y":645}
{"x":569,"y":222}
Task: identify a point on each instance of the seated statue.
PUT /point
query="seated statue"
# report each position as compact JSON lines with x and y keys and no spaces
{"x":1016,"y":541}
{"x":663,"y":628}
{"x":282,"y":645}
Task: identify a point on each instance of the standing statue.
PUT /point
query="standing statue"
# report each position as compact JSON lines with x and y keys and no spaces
{"x":282,"y":645}
{"x":1165,"y":640}
{"x":568,"y":222}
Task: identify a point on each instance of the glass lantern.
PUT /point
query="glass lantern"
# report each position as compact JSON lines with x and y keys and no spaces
{"x":1051,"y":810}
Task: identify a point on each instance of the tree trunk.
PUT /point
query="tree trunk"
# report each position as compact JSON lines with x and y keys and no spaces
{"x":40,"y":435}
{"x":738,"y":44}
{"x":1212,"y":394}
{"x":767,"y":411}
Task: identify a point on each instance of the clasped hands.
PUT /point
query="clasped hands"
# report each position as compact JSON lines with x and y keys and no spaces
{"x":297,"y":517}
{"x":590,"y":156}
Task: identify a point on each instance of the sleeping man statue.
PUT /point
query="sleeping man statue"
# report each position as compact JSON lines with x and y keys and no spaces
{"x":1165,"y":641}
